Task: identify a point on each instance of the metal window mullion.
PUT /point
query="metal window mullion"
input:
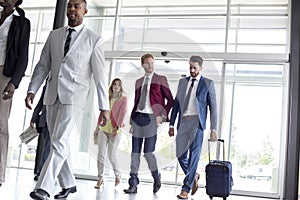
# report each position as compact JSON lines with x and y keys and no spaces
{"x":38,"y":30}
{"x":227,"y":24}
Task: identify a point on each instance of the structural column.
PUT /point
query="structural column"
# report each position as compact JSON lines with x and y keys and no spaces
{"x":293,"y":140}
{"x":60,"y":14}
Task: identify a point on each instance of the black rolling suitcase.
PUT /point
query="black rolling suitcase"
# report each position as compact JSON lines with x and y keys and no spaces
{"x":218,"y":176}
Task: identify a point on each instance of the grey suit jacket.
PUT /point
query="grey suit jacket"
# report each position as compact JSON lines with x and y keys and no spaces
{"x":205,"y":98}
{"x":70,"y":76}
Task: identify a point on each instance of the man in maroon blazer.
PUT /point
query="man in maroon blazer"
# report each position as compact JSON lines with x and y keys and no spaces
{"x":152,"y":103}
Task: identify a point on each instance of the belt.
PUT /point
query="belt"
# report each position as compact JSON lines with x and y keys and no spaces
{"x":188,"y":117}
{"x":142,"y":114}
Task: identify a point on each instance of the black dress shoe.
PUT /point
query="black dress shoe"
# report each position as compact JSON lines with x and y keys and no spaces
{"x":65,"y":192}
{"x":36,"y":177}
{"x":131,"y":190}
{"x":39,"y":194}
{"x":156,"y":184}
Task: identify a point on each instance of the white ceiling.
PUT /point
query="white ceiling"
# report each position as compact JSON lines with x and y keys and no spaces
{"x":182,"y":2}
{"x":39,"y":3}
{"x":112,"y":3}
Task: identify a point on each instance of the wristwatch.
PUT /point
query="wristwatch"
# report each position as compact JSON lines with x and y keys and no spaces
{"x":164,"y":118}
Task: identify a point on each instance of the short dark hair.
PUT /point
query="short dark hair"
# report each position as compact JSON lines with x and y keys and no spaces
{"x":18,"y":9}
{"x":197,"y":59}
{"x":84,"y":1}
{"x":19,"y":2}
{"x":145,"y":56}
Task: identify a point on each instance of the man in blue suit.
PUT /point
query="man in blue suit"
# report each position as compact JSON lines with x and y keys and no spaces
{"x":194,"y":95}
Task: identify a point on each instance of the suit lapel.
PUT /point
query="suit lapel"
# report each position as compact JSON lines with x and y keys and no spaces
{"x":62,"y":40}
{"x":78,"y":40}
{"x":201,"y":82}
{"x":184,"y":89}
{"x":153,"y":80}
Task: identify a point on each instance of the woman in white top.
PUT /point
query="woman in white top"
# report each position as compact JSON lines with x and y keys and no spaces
{"x":14,"y":42}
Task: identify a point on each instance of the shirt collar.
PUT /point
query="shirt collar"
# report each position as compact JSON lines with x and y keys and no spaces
{"x":150,"y":76}
{"x":197,"y":77}
{"x":14,"y":13}
{"x":76,"y":28}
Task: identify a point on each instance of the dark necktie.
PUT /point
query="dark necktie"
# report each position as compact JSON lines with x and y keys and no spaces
{"x":142,"y":102}
{"x":188,"y":96}
{"x":68,"y":40}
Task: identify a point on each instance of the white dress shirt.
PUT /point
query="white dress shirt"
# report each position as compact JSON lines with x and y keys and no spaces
{"x":75,"y":33}
{"x":4,"y":28}
{"x":147,"y":108}
{"x":191,"y":108}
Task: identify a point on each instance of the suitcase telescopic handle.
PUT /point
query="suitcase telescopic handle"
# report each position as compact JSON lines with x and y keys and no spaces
{"x":219,"y":140}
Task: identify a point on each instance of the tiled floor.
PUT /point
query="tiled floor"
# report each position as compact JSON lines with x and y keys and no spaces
{"x":20,"y":183}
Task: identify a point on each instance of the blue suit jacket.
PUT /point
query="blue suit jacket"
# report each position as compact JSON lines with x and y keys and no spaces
{"x":205,"y":98}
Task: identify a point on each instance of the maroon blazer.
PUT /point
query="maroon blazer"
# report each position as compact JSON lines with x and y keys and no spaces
{"x":159,"y":93}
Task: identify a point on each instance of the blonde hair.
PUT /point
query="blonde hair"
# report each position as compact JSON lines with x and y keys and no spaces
{"x":110,"y":90}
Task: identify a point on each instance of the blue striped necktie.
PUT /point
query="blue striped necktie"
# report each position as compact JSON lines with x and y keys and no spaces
{"x":68,"y":40}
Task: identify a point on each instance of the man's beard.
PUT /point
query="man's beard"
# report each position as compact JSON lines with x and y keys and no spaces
{"x":194,"y":74}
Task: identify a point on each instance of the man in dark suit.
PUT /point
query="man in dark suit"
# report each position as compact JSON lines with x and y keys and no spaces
{"x":194,"y":95}
{"x":152,"y":103}
{"x":43,"y":147}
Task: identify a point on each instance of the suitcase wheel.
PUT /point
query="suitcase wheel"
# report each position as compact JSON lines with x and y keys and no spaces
{"x":211,"y":197}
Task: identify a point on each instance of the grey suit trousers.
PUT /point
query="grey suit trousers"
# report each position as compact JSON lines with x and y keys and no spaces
{"x":61,"y":119}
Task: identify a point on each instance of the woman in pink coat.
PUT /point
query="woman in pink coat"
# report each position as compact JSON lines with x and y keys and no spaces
{"x":108,"y":136}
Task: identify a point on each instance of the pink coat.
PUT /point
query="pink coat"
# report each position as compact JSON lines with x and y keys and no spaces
{"x":117,"y":113}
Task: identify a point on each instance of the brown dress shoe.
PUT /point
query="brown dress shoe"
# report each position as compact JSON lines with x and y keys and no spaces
{"x":117,"y":181}
{"x":183,"y":195}
{"x":195,"y":185}
{"x":99,"y":183}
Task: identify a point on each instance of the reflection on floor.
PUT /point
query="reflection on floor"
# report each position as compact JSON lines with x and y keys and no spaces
{"x":20,"y":183}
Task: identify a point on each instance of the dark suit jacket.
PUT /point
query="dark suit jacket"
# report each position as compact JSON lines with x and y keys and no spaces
{"x":205,"y":99}
{"x":159,"y":93}
{"x":16,"y":59}
{"x":39,"y":113}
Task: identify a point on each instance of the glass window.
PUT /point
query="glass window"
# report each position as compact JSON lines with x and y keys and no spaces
{"x":254,"y":105}
{"x":244,"y":90}
{"x":267,"y":36}
{"x":252,"y":96}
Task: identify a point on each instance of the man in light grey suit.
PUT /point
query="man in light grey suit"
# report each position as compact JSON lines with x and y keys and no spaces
{"x":69,"y":58}
{"x":194,"y":95}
